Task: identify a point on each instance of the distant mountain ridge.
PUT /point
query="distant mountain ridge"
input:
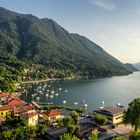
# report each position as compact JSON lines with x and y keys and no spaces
{"x":137,"y":65}
{"x":42,"y":41}
{"x":130,"y":67}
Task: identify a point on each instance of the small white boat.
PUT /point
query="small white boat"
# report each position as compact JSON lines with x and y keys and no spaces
{"x":60,"y":89}
{"x":85,"y":105}
{"x":39,"y":87}
{"x":66,"y":90}
{"x":64,"y":102}
{"x":51,"y":96}
{"x":32,"y":95}
{"x":56,"y":94}
{"x":76,"y":103}
{"x":52,"y":91}
{"x":39,"y":91}
{"x":47,"y":95}
{"x":45,"y":86}
{"x":49,"y":85}
{"x":37,"y":98}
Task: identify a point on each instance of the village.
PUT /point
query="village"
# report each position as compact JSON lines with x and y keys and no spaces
{"x":106,"y":121}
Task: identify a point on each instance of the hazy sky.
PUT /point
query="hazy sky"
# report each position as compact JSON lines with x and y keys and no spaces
{"x":113,"y":24}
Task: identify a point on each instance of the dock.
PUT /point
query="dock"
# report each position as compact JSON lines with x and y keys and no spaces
{"x":36,"y":104}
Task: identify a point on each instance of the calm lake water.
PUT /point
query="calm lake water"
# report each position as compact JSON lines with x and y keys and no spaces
{"x":113,"y":90}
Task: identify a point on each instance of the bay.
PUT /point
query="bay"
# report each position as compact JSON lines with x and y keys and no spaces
{"x":92,"y":92}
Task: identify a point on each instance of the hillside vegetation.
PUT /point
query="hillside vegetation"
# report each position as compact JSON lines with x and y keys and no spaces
{"x":48,"y":50}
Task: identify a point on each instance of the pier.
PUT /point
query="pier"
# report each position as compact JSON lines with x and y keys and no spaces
{"x":36,"y":104}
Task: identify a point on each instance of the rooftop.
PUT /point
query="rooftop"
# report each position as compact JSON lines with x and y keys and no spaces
{"x":15,"y":102}
{"x":111,"y":111}
{"x":4,"y":94}
{"x":23,"y":108}
{"x":53,"y":112}
{"x":4,"y":107}
{"x":29,"y":115}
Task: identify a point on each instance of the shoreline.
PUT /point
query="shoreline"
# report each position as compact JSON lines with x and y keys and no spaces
{"x":68,"y":78}
{"x":52,"y":79}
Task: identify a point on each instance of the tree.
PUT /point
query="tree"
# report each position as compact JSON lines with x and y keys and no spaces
{"x":67,"y":121}
{"x":100,"y":119}
{"x":75,"y":117}
{"x":119,"y":138}
{"x":14,"y":121}
{"x":6,"y":135}
{"x":93,"y":136}
{"x":41,"y":129}
{"x":68,"y":137}
{"x":134,"y":136}
{"x":22,"y":133}
{"x":77,"y":130}
{"x":71,"y":129}
{"x":132,"y":114}
{"x":59,"y":121}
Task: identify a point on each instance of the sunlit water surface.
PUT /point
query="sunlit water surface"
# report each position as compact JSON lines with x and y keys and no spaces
{"x":113,"y":90}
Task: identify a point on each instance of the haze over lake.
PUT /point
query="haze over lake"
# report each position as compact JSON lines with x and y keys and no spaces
{"x":113,"y":90}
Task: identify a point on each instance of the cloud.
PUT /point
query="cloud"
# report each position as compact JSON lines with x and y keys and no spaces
{"x":104,"y":4}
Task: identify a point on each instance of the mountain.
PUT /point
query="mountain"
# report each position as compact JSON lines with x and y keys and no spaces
{"x":28,"y":39}
{"x":137,"y":65}
{"x":130,"y":67}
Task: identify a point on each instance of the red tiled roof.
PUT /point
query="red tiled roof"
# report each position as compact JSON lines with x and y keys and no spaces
{"x":4,"y":107}
{"x":15,"y":102}
{"x":18,"y":109}
{"x":23,"y":108}
{"x":53,"y":112}
{"x":4,"y":94}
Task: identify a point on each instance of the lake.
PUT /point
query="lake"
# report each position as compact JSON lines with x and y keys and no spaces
{"x":113,"y":90}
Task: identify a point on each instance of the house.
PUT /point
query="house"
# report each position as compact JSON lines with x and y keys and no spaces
{"x":15,"y":102}
{"x":51,"y":115}
{"x":31,"y":117}
{"x":15,"y":106}
{"x":5,"y":110}
{"x":114,"y":114}
{"x":4,"y":96}
{"x":23,"y":108}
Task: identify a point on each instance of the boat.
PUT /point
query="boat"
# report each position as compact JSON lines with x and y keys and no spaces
{"x":47,"y":95}
{"x":56,"y":94}
{"x":66,"y":90}
{"x":51,"y":96}
{"x":37,"y":98}
{"x":52,"y":91}
{"x":64,"y":102}
{"x":76,"y":103}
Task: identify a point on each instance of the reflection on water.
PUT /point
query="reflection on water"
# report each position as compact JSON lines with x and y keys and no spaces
{"x":112,"y":91}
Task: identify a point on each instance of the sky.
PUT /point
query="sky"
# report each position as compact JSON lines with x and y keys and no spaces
{"x":112,"y":24}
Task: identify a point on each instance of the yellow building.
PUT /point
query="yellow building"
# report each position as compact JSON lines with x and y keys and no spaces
{"x":114,"y":115}
{"x":51,"y":115}
{"x":4,"y":111}
{"x":31,"y":117}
